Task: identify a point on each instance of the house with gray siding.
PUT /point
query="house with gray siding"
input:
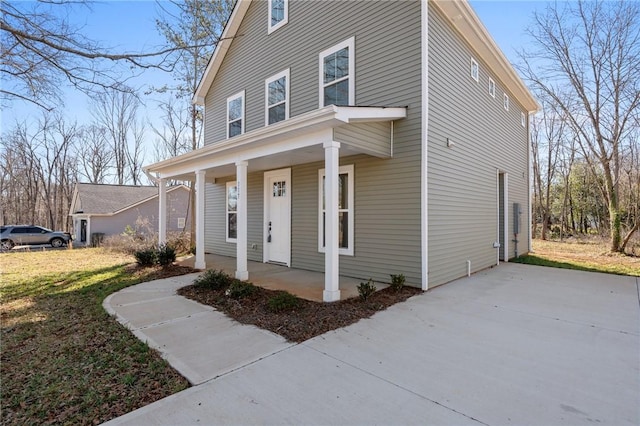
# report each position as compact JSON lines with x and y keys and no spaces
{"x":105,"y":210}
{"x":360,"y":139}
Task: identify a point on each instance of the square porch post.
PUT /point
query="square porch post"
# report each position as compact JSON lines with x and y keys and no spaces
{"x":331,"y":256}
{"x":200,"y":259}
{"x":241,"y":241}
{"x":162,"y":211}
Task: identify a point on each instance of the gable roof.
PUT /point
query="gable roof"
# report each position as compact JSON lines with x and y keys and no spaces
{"x":104,"y":199}
{"x":460,"y":15}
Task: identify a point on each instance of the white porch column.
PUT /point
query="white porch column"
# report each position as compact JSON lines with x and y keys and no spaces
{"x":200,"y":259}
{"x":162,"y":211}
{"x":241,"y":242}
{"x":331,"y":258}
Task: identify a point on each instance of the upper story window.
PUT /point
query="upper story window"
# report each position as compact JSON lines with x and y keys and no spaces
{"x":475,"y":70}
{"x":523,"y":120}
{"x":505,"y":101}
{"x":278,"y":14}
{"x":235,"y":115}
{"x":337,"y":74}
{"x":277,"y":98}
{"x":492,"y":88}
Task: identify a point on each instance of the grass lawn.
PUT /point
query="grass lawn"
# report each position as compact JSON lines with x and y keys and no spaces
{"x":64,"y":360}
{"x":589,"y":255}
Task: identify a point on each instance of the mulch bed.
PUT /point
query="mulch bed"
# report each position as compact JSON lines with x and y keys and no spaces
{"x":307,"y":320}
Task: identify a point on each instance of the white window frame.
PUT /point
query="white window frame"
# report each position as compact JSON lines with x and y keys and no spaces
{"x":492,"y":88}
{"x":349,"y":43}
{"x":242,"y":118}
{"x":348,"y":170}
{"x":523,"y":120}
{"x":505,"y":101}
{"x":285,"y":18}
{"x":181,"y":222}
{"x":229,"y":184}
{"x":475,"y":70}
{"x":286,"y":74}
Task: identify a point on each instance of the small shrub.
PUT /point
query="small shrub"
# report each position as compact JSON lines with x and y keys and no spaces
{"x":214,"y":280}
{"x":365,"y":290}
{"x":240,"y":289}
{"x":165,"y":255}
{"x":180,"y":241}
{"x":397,"y":282}
{"x":145,"y":257}
{"x":283,"y":302}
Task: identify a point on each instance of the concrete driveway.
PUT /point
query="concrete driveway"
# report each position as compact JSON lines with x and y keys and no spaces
{"x":514,"y":345}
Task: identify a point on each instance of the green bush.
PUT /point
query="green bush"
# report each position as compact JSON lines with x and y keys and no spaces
{"x":165,"y":255}
{"x":397,"y":282}
{"x":365,"y":290}
{"x":145,"y":257}
{"x":283,"y":302}
{"x":240,"y":289}
{"x":214,"y":280}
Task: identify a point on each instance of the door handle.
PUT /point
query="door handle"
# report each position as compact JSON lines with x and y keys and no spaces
{"x":269,"y":234}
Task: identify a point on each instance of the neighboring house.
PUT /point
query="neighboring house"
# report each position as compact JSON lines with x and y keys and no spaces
{"x":404,"y":116}
{"x":110,"y":209}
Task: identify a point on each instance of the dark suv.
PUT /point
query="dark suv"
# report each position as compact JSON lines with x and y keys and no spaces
{"x":12,"y":235}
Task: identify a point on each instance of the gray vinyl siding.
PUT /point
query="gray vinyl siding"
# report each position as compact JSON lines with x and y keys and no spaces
{"x":215,"y":218}
{"x":388,"y":73}
{"x":462,"y":180}
{"x":372,"y":137}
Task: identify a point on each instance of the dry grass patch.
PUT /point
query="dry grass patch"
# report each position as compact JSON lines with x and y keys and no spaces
{"x":64,"y":360}
{"x":588,"y":255}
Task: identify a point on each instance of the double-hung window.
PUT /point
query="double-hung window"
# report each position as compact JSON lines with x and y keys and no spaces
{"x":278,"y":14}
{"x":492,"y":88}
{"x":345,"y":210}
{"x":505,"y":101}
{"x":337,"y":74}
{"x":475,"y":70}
{"x":235,"y":115}
{"x":277,"y":98}
{"x":231,"y":216}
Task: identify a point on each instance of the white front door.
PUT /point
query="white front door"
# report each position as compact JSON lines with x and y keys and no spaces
{"x":277,"y":216}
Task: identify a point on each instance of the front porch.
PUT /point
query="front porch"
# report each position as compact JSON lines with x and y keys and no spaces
{"x":304,"y":284}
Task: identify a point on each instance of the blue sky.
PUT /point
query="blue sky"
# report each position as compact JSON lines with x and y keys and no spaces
{"x":130,"y":26}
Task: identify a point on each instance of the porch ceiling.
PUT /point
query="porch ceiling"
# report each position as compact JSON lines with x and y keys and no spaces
{"x":294,"y":141}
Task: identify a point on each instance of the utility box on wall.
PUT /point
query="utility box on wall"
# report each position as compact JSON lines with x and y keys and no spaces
{"x":516,"y":218}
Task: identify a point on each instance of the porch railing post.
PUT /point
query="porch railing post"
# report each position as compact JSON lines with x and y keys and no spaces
{"x":162,"y":211}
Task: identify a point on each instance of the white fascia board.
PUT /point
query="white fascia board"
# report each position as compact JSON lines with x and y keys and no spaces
{"x":369,"y":114}
{"x":230,"y":31}
{"x":462,"y":17}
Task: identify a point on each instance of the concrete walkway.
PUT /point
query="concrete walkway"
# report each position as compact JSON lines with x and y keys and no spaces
{"x":514,"y":345}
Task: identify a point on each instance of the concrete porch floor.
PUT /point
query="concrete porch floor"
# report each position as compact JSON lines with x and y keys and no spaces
{"x":304,"y":284}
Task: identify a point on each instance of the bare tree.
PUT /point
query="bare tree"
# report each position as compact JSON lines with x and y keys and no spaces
{"x":42,"y":51}
{"x":172,"y":138}
{"x":116,"y":111}
{"x":585,"y":59}
{"x":94,"y":155}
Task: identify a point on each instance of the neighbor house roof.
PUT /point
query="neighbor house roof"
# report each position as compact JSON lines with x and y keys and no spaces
{"x":101,"y":199}
{"x":459,"y":14}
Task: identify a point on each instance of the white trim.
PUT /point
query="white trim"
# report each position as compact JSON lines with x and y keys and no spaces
{"x":331,"y":291}
{"x":162,"y":211}
{"x":228,"y":185}
{"x":242,"y":271}
{"x":349,"y":171}
{"x":350,"y":44}
{"x":492,"y":88}
{"x":506,"y":217}
{"x":285,"y":19}
{"x":200,"y":262}
{"x":276,"y":138}
{"x":424,"y":188}
{"x":475,"y":70}
{"x":182,"y":221}
{"x":286,"y":102}
{"x":523,"y":120}
{"x":242,"y":117}
{"x":505,"y":102}
{"x":267,"y":197}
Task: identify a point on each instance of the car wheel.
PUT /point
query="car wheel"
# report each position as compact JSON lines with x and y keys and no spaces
{"x":57,"y":242}
{"x":6,"y":245}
